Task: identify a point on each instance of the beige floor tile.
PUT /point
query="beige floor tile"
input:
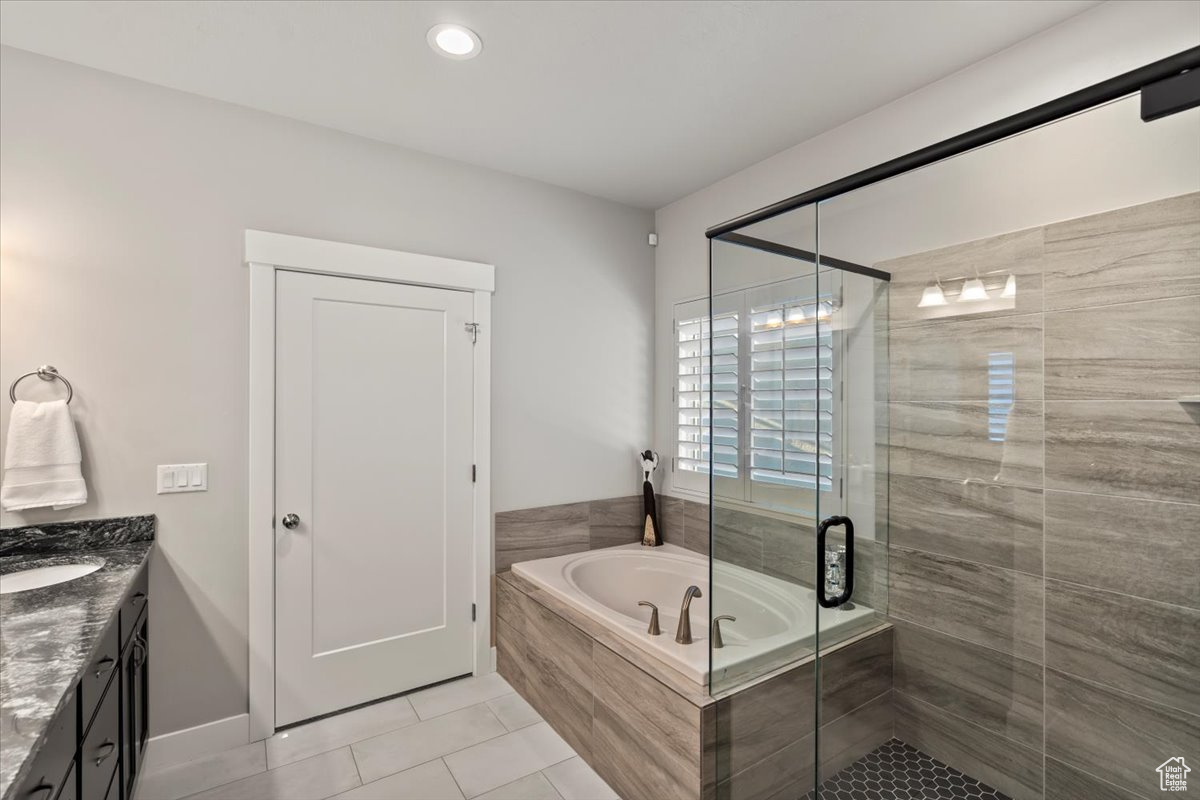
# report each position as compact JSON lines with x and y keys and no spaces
{"x":458,"y":694}
{"x":513,"y":711}
{"x":416,"y":744}
{"x":502,"y":760}
{"x":575,"y":780}
{"x":203,"y":773}
{"x":338,"y":731}
{"x":429,"y":781}
{"x":312,"y":779}
{"x":531,"y":787}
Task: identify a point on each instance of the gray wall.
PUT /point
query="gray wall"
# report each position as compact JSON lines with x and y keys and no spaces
{"x":123,"y":213}
{"x":1046,"y":588}
{"x":1094,"y":45}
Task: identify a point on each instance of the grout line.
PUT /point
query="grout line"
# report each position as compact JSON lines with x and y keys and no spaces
{"x":970,"y":561}
{"x":975,"y":725}
{"x":936,"y":632}
{"x":1137,"y":698}
{"x":1082,"y":771}
{"x":457,"y":785}
{"x":361,"y":782}
{"x":1089,"y":587}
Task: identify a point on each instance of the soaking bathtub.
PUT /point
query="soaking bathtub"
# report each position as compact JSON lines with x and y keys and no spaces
{"x":776,"y":620}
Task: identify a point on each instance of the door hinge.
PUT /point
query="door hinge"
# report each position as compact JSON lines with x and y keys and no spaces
{"x":472,"y":612}
{"x":473,"y":329}
{"x":472,"y":473}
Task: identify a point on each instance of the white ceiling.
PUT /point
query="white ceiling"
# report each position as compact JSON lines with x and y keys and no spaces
{"x":639,"y":102}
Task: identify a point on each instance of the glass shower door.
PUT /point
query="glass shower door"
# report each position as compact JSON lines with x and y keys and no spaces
{"x":797,"y":481}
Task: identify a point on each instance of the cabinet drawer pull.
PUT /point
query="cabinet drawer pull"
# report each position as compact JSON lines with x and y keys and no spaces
{"x":43,"y":791}
{"x":105,"y":666}
{"x":137,"y":597}
{"x":109,"y":748}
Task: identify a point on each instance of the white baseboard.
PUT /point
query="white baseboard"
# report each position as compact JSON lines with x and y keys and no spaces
{"x":177,"y":747}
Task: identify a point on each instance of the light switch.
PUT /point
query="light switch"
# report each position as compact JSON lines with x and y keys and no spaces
{"x":173,"y":478}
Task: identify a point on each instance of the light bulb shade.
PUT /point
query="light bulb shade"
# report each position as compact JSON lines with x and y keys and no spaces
{"x":932,"y":296}
{"x":1010,"y":286}
{"x":973,"y":290}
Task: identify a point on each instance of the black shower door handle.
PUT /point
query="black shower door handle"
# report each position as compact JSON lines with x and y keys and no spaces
{"x":822,"y":598}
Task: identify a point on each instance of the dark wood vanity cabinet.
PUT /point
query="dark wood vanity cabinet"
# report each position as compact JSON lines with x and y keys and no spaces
{"x":95,"y":746}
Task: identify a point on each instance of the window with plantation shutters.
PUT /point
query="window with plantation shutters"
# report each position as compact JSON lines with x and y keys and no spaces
{"x":774,"y":395}
{"x":693,"y":403}
{"x":791,"y":394}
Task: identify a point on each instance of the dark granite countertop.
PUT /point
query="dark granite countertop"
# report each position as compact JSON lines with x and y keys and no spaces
{"x":48,"y":635}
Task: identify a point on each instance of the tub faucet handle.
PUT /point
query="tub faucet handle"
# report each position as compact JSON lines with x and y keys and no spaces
{"x":717,"y":641}
{"x":683,"y":634}
{"x":653,"y":630}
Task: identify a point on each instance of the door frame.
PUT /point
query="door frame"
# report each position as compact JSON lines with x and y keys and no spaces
{"x":265,"y":254}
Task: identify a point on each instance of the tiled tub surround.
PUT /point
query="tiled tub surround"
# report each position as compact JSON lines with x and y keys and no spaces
{"x":48,"y":635}
{"x":1046,"y":582}
{"x":772,"y":544}
{"x":653,"y":734}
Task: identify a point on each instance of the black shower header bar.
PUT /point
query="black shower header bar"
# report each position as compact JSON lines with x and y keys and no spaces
{"x":1065,"y":106}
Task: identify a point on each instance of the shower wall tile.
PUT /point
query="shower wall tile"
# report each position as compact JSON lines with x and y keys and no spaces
{"x":1142,"y":647}
{"x":953,"y":359}
{"x":1144,"y":252}
{"x":616,"y":521}
{"x":995,"y":258}
{"x":1114,"y":736}
{"x":974,"y":520}
{"x":996,"y":691}
{"x":1000,"y":762}
{"x":1130,"y":351}
{"x":1064,"y":782}
{"x":954,"y":440}
{"x":1146,"y":449}
{"x":540,"y":533}
{"x":1139,"y":547}
{"x":994,"y":607}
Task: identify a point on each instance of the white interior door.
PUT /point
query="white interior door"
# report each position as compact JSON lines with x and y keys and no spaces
{"x":373,"y":451}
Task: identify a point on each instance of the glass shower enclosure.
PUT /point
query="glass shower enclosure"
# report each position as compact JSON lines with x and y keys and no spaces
{"x":960,"y":404}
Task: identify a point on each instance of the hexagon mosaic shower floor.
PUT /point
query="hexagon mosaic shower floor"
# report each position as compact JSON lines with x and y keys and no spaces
{"x":897,"y":771}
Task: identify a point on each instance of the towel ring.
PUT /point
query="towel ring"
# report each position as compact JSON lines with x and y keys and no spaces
{"x":46,"y":373}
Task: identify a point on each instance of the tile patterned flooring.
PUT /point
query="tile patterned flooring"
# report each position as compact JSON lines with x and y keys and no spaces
{"x":471,"y":738}
{"x":898,"y":771}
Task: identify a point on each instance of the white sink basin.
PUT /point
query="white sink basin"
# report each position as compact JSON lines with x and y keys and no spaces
{"x":36,"y":578}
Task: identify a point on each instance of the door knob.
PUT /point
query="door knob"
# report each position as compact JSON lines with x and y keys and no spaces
{"x":291,"y":521}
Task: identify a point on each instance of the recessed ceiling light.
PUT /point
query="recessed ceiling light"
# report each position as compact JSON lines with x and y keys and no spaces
{"x":454,"y":41}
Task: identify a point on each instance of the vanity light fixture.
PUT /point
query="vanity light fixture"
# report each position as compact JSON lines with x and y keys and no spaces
{"x":1010,"y":286}
{"x":454,"y":41}
{"x":932,"y":296}
{"x":973,"y":290}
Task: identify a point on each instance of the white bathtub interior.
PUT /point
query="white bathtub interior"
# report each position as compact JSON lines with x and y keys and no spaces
{"x":776,"y":619}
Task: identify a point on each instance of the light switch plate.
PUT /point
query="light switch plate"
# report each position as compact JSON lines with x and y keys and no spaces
{"x":174,"y":478}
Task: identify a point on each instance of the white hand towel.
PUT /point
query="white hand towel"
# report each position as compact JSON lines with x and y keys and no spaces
{"x":41,"y":460}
